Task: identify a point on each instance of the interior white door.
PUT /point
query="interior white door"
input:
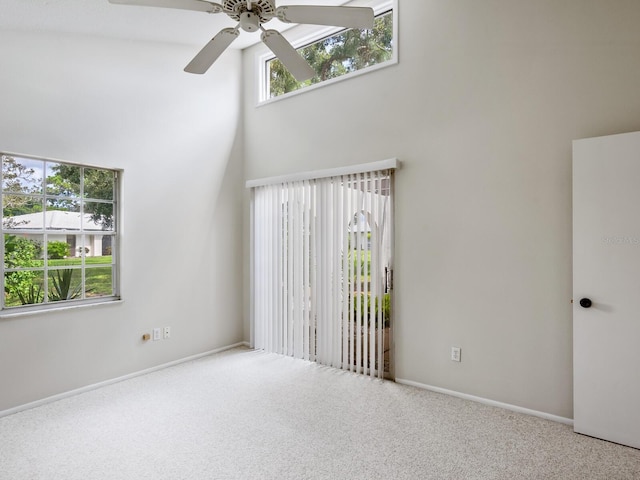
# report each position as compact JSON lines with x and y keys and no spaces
{"x":606,"y":287}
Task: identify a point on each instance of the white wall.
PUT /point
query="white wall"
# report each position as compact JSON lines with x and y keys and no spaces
{"x":482,"y":109}
{"x":177,"y":137}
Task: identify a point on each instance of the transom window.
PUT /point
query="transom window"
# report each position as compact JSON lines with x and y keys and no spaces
{"x":59,"y":224}
{"x":338,"y":54}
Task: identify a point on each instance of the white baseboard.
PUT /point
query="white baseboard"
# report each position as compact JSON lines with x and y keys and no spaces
{"x":486,"y":401}
{"x":88,"y":388}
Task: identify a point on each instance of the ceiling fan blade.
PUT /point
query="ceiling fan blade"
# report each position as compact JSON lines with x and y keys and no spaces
{"x":297,"y":66}
{"x":351,"y":17}
{"x":197,"y":5}
{"x":212,"y":50}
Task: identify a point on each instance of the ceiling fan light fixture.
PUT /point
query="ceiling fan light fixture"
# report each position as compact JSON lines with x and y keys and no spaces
{"x":249,"y":21}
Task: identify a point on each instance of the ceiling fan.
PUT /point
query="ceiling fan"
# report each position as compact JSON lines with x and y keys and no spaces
{"x":251,"y":15}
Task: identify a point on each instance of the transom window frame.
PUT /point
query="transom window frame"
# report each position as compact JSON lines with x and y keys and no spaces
{"x":303,"y":35}
{"x":114,"y":232}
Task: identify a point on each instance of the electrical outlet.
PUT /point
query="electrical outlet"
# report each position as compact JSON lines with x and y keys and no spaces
{"x":157,"y":334}
{"x":456,"y":354}
{"x":166,"y":333}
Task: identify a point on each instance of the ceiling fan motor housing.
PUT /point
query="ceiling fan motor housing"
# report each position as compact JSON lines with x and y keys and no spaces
{"x":263,"y":9}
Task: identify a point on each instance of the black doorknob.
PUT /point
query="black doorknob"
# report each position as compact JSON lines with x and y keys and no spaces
{"x":585,"y":303}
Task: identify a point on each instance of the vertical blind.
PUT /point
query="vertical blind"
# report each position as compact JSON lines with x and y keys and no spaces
{"x":321,"y":257}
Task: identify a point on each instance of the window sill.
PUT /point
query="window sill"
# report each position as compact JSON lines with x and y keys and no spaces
{"x":57,"y":308}
{"x":315,"y":86}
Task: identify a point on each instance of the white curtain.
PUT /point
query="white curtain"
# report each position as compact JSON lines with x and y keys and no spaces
{"x":321,"y":253}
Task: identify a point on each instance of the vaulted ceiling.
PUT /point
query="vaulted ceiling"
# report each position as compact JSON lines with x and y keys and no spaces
{"x":99,"y":17}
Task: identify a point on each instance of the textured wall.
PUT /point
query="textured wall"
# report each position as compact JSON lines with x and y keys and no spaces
{"x":482,"y":110}
{"x":129,"y":105}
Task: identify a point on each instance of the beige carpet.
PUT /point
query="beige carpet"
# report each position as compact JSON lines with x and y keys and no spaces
{"x":249,"y":415}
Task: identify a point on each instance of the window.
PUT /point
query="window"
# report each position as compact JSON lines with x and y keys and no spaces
{"x":341,"y":53}
{"x":59,"y":223}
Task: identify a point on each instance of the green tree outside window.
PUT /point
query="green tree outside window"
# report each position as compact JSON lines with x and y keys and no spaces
{"x":342,"y":53}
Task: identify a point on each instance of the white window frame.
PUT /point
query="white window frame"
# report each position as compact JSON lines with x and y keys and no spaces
{"x":302,"y":35}
{"x":115,"y":233}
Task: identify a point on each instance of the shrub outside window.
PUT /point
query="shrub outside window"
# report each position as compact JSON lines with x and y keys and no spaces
{"x":59,"y":225}
{"x":339,"y":54}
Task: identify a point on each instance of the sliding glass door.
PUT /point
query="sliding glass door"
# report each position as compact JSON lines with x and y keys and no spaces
{"x":322,"y":270}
